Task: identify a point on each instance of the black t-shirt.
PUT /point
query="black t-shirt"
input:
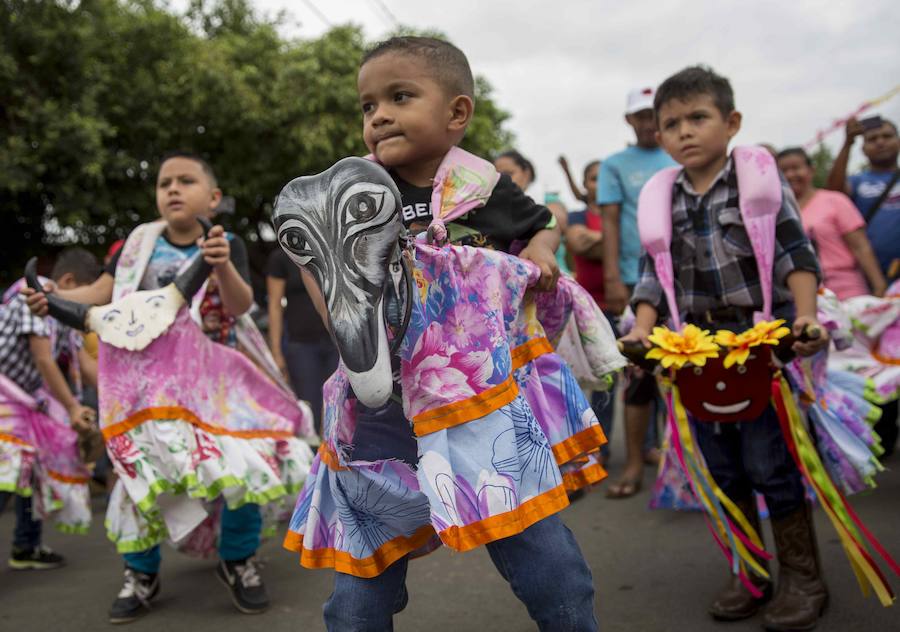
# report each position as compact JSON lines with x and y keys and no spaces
{"x":509,"y":215}
{"x":301,"y":320}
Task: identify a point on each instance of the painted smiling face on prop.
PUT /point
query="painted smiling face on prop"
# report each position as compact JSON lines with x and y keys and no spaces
{"x":135,"y":320}
{"x":726,"y":377}
{"x":343,"y":227}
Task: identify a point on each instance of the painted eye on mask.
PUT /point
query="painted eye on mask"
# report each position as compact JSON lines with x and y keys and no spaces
{"x":293,"y":240}
{"x":363,"y":206}
{"x":110,"y":316}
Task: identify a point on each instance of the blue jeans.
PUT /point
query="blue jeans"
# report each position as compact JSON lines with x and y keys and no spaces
{"x":27,"y":534}
{"x":753,"y":456}
{"x":238,"y":540}
{"x":309,"y":364}
{"x":543,"y":565}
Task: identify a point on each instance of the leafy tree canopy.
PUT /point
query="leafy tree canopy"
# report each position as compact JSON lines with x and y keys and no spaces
{"x":95,"y":91}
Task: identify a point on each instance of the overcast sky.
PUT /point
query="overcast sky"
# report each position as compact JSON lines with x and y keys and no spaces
{"x":563,"y":68}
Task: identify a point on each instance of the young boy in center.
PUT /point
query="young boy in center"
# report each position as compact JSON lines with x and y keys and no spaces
{"x":718,"y":287}
{"x":186,"y":189}
{"x":417,"y":99}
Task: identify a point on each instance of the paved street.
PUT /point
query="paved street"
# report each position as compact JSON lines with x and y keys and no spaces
{"x":653,"y":571}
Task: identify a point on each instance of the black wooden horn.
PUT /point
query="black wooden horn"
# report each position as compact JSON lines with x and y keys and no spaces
{"x":191,"y":280}
{"x":67,"y":312}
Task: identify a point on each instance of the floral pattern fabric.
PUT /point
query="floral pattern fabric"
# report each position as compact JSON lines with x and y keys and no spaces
{"x":39,"y":458}
{"x":192,"y":419}
{"x":503,"y":428}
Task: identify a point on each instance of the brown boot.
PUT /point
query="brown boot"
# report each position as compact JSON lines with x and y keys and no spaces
{"x":801,"y":596}
{"x":734,"y":602}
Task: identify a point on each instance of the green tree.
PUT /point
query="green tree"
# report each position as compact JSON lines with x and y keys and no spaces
{"x":822,"y":159}
{"x":93,"y":92}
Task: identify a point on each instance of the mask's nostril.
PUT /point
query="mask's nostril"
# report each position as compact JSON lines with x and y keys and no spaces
{"x":720,"y":386}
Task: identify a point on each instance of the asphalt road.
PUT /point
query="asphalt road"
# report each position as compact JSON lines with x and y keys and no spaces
{"x":652,"y":570}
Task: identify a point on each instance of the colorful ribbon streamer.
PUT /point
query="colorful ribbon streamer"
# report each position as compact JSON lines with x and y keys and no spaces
{"x":841,"y":122}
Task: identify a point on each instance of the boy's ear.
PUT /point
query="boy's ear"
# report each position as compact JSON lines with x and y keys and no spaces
{"x":462,"y":108}
{"x":67,"y":281}
{"x":215,"y":198}
{"x":733,"y":123}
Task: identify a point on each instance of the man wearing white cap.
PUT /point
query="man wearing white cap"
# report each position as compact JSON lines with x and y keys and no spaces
{"x":618,"y":184}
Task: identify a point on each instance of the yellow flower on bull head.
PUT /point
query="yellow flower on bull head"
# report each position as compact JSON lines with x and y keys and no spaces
{"x":762,"y":333}
{"x":692,"y":345}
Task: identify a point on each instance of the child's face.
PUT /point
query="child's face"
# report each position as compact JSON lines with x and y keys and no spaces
{"x":797,"y":173}
{"x":407,"y":117}
{"x":508,"y":166}
{"x":694,"y":132}
{"x":184,"y":192}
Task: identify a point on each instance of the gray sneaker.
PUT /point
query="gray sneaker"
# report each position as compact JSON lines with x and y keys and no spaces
{"x":244,"y":585}
{"x":134,"y":598}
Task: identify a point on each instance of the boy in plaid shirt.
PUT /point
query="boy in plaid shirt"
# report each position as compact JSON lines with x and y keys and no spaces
{"x":29,"y":351}
{"x":718,"y":287}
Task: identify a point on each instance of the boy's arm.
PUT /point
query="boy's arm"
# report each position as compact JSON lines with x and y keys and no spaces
{"x":616,"y":292}
{"x":235,"y":292}
{"x":837,"y":177}
{"x":97,"y":293}
{"x":803,"y":286}
{"x":645,"y":317}
{"x":88,"y":367}
{"x":81,"y":417}
{"x":861,"y":248}
{"x":541,"y":250}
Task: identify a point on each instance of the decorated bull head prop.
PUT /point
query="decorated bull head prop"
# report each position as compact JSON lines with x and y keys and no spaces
{"x":721,"y":377}
{"x":343,"y":227}
{"x":135,"y":320}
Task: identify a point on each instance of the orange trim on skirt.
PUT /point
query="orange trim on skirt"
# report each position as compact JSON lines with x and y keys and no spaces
{"x":506,"y":524}
{"x":178,"y":413}
{"x":579,"y":443}
{"x":368,"y":567}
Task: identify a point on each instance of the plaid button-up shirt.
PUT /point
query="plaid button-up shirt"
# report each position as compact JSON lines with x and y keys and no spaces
{"x":17,"y":324}
{"x":712,"y":255}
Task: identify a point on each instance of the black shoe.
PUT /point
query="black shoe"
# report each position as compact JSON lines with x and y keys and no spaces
{"x":134,"y":597}
{"x":244,"y":584}
{"x":40,"y":558}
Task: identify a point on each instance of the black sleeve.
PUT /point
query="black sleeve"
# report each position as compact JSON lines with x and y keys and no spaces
{"x":111,"y":266}
{"x":277,"y":264}
{"x":239,"y":257}
{"x":510,"y":215}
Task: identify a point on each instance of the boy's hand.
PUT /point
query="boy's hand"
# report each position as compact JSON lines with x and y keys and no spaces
{"x":813,"y":346}
{"x":37,"y":301}
{"x":545,"y":260}
{"x":82,"y":418}
{"x":637,"y":334}
{"x":216,"y":249}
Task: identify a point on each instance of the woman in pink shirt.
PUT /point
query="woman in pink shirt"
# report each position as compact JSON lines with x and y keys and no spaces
{"x":836,"y":228}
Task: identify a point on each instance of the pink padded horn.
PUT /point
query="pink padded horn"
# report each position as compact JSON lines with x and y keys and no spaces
{"x":654,"y":218}
{"x":760,"y":200}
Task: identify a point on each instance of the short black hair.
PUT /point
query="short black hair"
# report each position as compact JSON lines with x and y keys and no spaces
{"x":795,"y":151}
{"x":79,"y":262}
{"x":589,"y":166}
{"x":694,"y":81}
{"x":521,"y":161}
{"x":189,"y":155}
{"x":447,"y":63}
